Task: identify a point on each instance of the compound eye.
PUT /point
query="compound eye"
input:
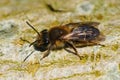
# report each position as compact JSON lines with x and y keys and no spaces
{"x":41,"y":48}
{"x":44,"y":31}
{"x":61,"y":32}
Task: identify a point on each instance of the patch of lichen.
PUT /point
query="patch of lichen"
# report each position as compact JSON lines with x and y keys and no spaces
{"x":3,"y":3}
{"x":96,"y":73}
{"x":1,"y":54}
{"x":16,"y":64}
{"x":109,"y":4}
{"x":26,"y":38}
{"x":8,"y":62}
{"x":1,"y":74}
{"x":92,"y":17}
{"x":70,"y":61}
{"x":115,"y":47}
{"x":97,"y":57}
{"x":16,"y":8}
{"x":32,"y":68}
{"x":67,"y":61}
{"x":17,"y":68}
{"x":59,"y":63}
{"x":119,"y":66}
{"x":18,"y":42}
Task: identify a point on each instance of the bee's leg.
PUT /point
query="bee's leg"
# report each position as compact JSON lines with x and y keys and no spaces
{"x":47,"y":53}
{"x":74,"y":48}
{"x":68,"y":50}
{"x":28,"y":56}
{"x":25,"y":40}
{"x":96,"y":43}
{"x":28,"y":41}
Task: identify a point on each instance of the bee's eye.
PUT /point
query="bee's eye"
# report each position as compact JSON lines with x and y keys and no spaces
{"x":40,"y":47}
{"x":44,"y":31}
{"x":45,"y":39}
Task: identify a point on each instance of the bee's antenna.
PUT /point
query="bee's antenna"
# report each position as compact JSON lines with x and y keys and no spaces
{"x":27,"y":56}
{"x":33,"y":43}
{"x":25,"y":40}
{"x":33,"y":28}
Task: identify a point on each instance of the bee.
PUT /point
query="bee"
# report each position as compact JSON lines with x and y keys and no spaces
{"x":67,"y":37}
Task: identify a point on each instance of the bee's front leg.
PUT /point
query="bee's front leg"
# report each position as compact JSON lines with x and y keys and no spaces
{"x":24,"y":40}
{"x":47,"y":53}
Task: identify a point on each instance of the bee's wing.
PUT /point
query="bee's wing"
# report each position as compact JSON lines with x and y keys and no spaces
{"x":82,"y":23}
{"x":73,"y":36}
{"x":72,"y":26}
{"x":83,"y":36}
{"x":90,"y":23}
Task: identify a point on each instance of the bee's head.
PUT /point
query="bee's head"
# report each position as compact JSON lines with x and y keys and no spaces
{"x":42,"y":41}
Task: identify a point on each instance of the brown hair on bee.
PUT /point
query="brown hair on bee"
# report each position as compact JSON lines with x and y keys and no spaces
{"x":66,"y":36}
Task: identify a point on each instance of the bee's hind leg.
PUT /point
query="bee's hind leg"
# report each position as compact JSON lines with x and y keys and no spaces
{"x":73,"y":47}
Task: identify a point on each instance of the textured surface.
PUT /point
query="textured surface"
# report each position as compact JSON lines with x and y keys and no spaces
{"x":98,"y":62}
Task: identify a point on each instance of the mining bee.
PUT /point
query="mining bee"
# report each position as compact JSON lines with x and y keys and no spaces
{"x":67,"y":37}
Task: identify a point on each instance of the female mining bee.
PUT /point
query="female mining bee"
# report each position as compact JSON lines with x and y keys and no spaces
{"x":70,"y":35}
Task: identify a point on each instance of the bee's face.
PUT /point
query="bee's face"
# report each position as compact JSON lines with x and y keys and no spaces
{"x":42,"y":41}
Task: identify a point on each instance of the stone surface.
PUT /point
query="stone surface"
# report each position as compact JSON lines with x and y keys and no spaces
{"x":98,"y":62}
